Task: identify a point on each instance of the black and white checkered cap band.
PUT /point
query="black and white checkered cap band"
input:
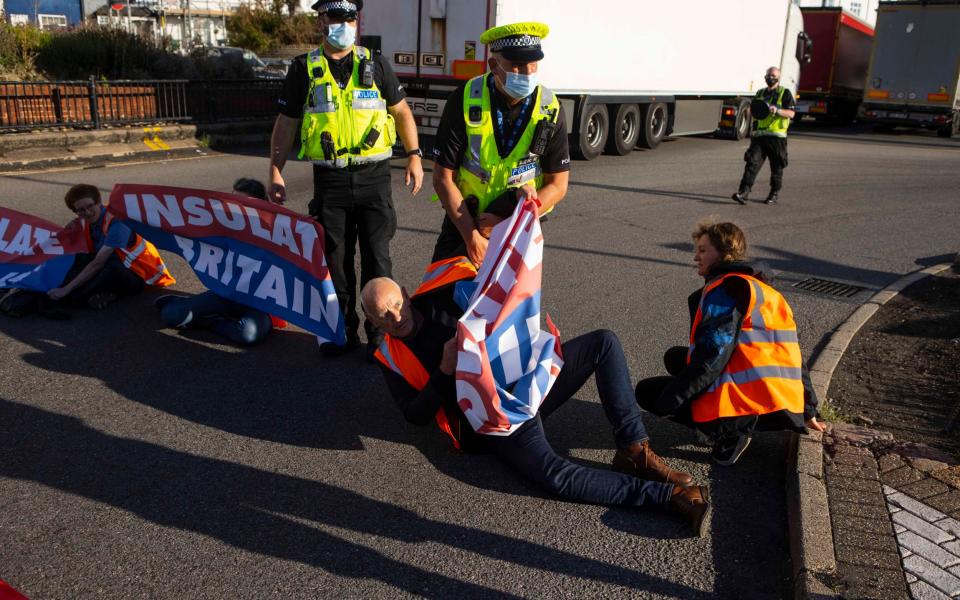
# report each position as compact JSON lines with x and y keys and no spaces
{"x":515,"y":41}
{"x":341,"y":5}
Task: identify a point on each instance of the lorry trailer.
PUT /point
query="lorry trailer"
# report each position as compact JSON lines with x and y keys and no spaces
{"x":626,"y":75}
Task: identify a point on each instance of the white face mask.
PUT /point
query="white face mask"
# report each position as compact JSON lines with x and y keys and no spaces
{"x":341,"y":35}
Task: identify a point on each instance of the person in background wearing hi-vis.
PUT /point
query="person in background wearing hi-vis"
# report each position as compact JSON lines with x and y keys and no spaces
{"x":742,"y":371}
{"x":501,"y":136}
{"x":350,"y":107}
{"x":769,"y":138}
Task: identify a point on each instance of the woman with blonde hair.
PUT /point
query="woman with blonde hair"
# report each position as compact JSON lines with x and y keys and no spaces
{"x":742,"y":371}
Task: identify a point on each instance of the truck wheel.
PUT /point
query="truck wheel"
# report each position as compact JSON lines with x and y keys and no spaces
{"x":625,"y":130}
{"x":593,"y":132}
{"x":654,"y":125}
{"x":744,"y":121}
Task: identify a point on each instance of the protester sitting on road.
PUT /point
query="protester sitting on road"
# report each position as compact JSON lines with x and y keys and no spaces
{"x":119,"y":262}
{"x":419,"y":356}
{"x":238,"y":323}
{"x":742,"y":371}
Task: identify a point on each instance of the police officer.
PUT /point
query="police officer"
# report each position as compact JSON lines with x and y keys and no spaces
{"x":769,"y":140}
{"x":501,"y":135}
{"x":350,"y":107}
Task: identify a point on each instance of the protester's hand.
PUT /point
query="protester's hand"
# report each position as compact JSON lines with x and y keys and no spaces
{"x":278,"y":189}
{"x":815,"y":425}
{"x":486,"y":222}
{"x":476,"y":248}
{"x":414,"y":173}
{"x":448,"y":364}
{"x":57,"y":293}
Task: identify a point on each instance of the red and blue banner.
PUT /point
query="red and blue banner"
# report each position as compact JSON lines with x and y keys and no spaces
{"x":506,"y":364}
{"x":36,"y":254}
{"x":251,"y":251}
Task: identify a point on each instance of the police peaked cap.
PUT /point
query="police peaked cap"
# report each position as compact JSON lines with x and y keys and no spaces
{"x":338,"y":8}
{"x":519,"y":42}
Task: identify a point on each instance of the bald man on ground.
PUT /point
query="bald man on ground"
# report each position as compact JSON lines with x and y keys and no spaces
{"x":419,"y":359}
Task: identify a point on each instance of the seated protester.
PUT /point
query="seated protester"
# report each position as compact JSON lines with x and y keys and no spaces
{"x":119,"y":262}
{"x":238,"y":323}
{"x":418,"y":358}
{"x":743,"y":371}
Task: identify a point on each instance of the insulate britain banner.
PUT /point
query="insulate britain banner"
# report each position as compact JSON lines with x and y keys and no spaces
{"x":251,"y":251}
{"x":36,"y":254}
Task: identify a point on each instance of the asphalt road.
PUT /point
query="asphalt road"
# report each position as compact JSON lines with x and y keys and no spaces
{"x":141,"y":462}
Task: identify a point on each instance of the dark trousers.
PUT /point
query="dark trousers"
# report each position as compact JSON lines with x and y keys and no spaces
{"x":234,"y":321}
{"x":449,"y":243}
{"x":762,"y":148}
{"x":527,"y":450}
{"x":355,"y":206}
{"x":648,"y":391}
{"x":113,"y":278}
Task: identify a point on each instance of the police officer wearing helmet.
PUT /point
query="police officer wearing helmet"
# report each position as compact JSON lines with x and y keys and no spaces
{"x":348,"y":107}
{"x":501,"y":135}
{"x":772,"y":108}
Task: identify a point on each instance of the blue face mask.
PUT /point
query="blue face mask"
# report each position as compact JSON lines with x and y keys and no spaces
{"x":341,"y":35}
{"x":520,"y":86}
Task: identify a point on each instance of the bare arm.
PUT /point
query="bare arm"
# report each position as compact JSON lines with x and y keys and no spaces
{"x":281,"y":142}
{"x":553,"y":191}
{"x":407,"y":130}
{"x":452,"y":201}
{"x":786,"y":112}
{"x":93,"y":267}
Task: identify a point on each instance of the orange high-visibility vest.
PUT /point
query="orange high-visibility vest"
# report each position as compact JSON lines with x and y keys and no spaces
{"x":763,"y":374}
{"x":397,"y":357}
{"x":141,"y":256}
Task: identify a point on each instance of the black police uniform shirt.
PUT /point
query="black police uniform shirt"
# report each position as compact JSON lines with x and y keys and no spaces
{"x":297,"y":85}
{"x":451,"y":140}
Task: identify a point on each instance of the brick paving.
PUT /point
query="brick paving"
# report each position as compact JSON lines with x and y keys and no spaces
{"x":895,"y":512}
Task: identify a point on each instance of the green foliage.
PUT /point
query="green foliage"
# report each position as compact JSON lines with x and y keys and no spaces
{"x":19,"y":45}
{"x":261,"y":30}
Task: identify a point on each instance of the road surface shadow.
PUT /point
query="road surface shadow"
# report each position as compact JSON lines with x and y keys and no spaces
{"x":264,"y":512}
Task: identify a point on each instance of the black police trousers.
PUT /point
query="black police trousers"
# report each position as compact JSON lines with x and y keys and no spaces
{"x":762,"y":148}
{"x":354,"y":205}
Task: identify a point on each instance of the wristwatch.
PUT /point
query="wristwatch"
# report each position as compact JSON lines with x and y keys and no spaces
{"x":415,"y":151}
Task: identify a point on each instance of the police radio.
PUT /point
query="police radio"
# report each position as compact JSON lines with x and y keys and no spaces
{"x":366,"y":72}
{"x":542,"y":136}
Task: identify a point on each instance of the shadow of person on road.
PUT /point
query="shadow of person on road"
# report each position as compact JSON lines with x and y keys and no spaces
{"x":268,"y":513}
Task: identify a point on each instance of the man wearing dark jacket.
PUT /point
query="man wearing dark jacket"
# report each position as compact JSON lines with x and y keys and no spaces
{"x":742,"y":371}
{"x":419,"y":358}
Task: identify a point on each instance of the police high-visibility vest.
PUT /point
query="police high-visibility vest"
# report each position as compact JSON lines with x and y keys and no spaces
{"x":344,"y":126}
{"x":483,"y":173}
{"x":764,"y":373}
{"x":141,"y":256}
{"x":397,"y":357}
{"x":774,"y":124}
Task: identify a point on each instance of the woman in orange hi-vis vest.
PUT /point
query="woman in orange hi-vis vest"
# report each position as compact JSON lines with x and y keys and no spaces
{"x":742,"y":371}
{"x":118,"y":263}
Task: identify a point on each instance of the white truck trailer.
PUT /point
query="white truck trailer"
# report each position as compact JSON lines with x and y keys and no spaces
{"x":914,"y":77}
{"x":627,"y":72}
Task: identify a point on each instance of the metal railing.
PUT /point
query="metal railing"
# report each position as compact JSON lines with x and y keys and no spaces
{"x":93,"y":104}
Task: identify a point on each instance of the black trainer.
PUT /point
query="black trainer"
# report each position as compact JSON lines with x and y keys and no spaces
{"x":729,"y":450}
{"x":741,"y":197}
{"x":771,"y":199}
{"x":332,"y":350}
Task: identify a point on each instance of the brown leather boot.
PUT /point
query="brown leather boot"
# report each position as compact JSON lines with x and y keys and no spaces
{"x":639,"y":460}
{"x":693,"y":504}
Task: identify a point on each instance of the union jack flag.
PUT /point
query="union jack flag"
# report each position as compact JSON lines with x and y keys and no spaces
{"x":506,"y":364}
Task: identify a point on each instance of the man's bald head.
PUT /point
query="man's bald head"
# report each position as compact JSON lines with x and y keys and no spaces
{"x":387,"y":305}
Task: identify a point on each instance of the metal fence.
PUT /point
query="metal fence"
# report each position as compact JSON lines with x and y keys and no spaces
{"x":93,"y":104}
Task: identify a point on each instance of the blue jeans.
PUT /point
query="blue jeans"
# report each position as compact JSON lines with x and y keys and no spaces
{"x":597,"y":353}
{"x":234,"y":321}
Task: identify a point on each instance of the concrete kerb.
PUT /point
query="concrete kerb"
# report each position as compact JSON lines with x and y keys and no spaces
{"x":808,"y":512}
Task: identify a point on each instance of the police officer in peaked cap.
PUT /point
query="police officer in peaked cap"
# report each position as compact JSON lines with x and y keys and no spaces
{"x":339,"y":83}
{"x":502,"y":135}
